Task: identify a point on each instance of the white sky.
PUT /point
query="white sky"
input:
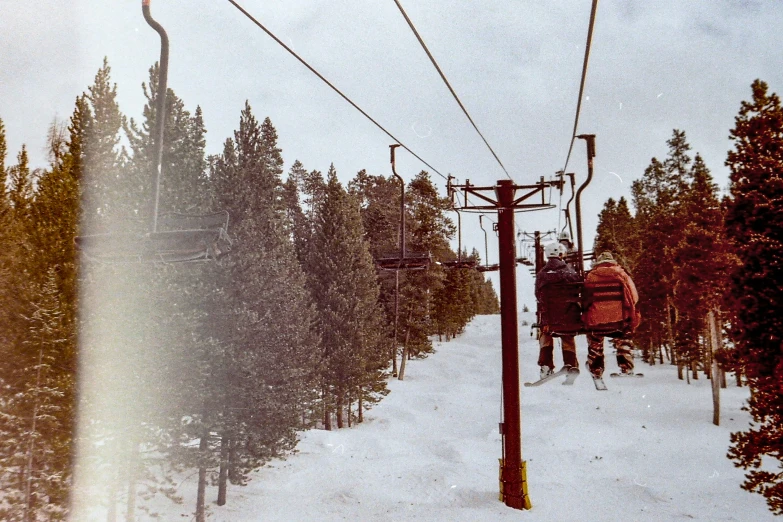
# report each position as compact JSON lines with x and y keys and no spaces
{"x":644,"y":451}
{"x":654,"y":66}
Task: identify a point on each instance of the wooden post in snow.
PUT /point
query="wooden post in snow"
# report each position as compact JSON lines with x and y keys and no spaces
{"x":713,"y":329}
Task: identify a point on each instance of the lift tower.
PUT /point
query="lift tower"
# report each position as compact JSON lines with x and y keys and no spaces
{"x":505,"y":198}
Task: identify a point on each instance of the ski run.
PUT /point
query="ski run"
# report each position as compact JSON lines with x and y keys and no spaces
{"x":645,"y":450}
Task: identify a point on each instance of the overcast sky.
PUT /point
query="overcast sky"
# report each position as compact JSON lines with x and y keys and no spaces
{"x":516,"y":64}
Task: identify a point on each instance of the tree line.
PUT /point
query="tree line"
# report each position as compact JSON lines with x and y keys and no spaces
{"x":694,"y":253}
{"x":203,"y":370}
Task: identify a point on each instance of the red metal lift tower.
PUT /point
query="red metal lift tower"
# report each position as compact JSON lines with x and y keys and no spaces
{"x":506,"y":201}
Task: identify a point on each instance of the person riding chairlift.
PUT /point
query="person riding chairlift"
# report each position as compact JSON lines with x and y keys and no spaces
{"x":564,"y":238}
{"x":606,"y":270}
{"x":555,"y":271}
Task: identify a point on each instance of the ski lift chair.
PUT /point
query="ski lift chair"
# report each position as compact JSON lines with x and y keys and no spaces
{"x":461,"y":263}
{"x":411,"y":261}
{"x":612,"y":295}
{"x":403,"y":260}
{"x":563,"y":307}
{"x":173,"y":237}
{"x":181,"y":238}
{"x":560,"y":309}
{"x":524,"y":261}
{"x":488,"y":268}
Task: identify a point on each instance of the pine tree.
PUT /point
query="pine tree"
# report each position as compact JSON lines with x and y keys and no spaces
{"x":118,"y":304}
{"x":342,"y":281}
{"x":296,"y":220}
{"x":35,"y":451}
{"x":267,"y":360}
{"x":183,"y":183}
{"x":449,"y":303}
{"x":12,"y":276}
{"x":379,"y":200}
{"x":18,"y":283}
{"x":489,"y":303}
{"x":429,"y":230}
{"x":615,"y":233}
{"x":701,"y":260}
{"x":51,"y":261}
{"x":179,"y":291}
{"x":19,"y":203}
{"x":20,"y":189}
{"x":22,"y":359}
{"x":754,"y":222}
{"x":379,"y":203}
{"x":54,"y":217}
{"x":658,"y":199}
{"x":103,"y":192}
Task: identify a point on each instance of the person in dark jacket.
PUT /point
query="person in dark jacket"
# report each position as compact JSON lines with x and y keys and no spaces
{"x":555,"y":271}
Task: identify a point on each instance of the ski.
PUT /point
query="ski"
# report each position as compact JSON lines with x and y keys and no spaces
{"x":626,"y":375}
{"x":599,"y":384}
{"x":571,"y":376}
{"x":546,"y":379}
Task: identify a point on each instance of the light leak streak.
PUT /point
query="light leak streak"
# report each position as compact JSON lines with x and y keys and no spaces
{"x":613,"y":173}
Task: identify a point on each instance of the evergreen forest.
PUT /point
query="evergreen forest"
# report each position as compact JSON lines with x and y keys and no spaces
{"x":219,"y":365}
{"x":213,"y":366}
{"x":704,"y":259}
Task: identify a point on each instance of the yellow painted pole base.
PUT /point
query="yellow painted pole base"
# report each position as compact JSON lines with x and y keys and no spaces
{"x":511,"y":494}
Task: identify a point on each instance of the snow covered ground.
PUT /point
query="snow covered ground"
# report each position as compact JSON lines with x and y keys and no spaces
{"x":646,"y":450}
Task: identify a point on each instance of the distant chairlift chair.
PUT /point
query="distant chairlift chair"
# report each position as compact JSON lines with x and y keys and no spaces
{"x":486,"y":267}
{"x":404,"y":260}
{"x":459,"y":263}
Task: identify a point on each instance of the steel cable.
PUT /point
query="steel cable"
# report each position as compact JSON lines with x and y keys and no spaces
{"x":454,"y":94}
{"x":582,"y":83}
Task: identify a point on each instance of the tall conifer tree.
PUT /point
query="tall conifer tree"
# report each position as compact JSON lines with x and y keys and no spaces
{"x":754,"y":221}
{"x":701,"y":260}
{"x":615,"y":233}
{"x":268,"y":359}
{"x":658,"y":198}
{"x":103,"y":191}
{"x":342,"y":281}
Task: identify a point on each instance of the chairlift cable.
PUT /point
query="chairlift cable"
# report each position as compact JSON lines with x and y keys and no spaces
{"x":446,"y":81}
{"x":560,"y":200}
{"x":327,"y":82}
{"x":584,"y":77}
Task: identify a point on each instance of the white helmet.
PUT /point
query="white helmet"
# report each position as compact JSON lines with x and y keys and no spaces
{"x":564,"y":236}
{"x":554,"y":250}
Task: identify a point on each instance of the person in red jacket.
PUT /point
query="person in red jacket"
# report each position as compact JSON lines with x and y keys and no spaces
{"x":624,"y":314}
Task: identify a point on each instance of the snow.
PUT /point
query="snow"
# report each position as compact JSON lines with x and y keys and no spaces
{"x":645,"y":450}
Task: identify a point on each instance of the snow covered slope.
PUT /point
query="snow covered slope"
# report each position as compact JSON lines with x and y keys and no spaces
{"x":646,"y":450}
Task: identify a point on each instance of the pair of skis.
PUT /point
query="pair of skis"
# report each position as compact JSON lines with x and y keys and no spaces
{"x":571,"y":375}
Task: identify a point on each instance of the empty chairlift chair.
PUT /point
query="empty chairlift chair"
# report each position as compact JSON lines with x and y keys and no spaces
{"x":172,"y":238}
{"x":404,"y":260}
